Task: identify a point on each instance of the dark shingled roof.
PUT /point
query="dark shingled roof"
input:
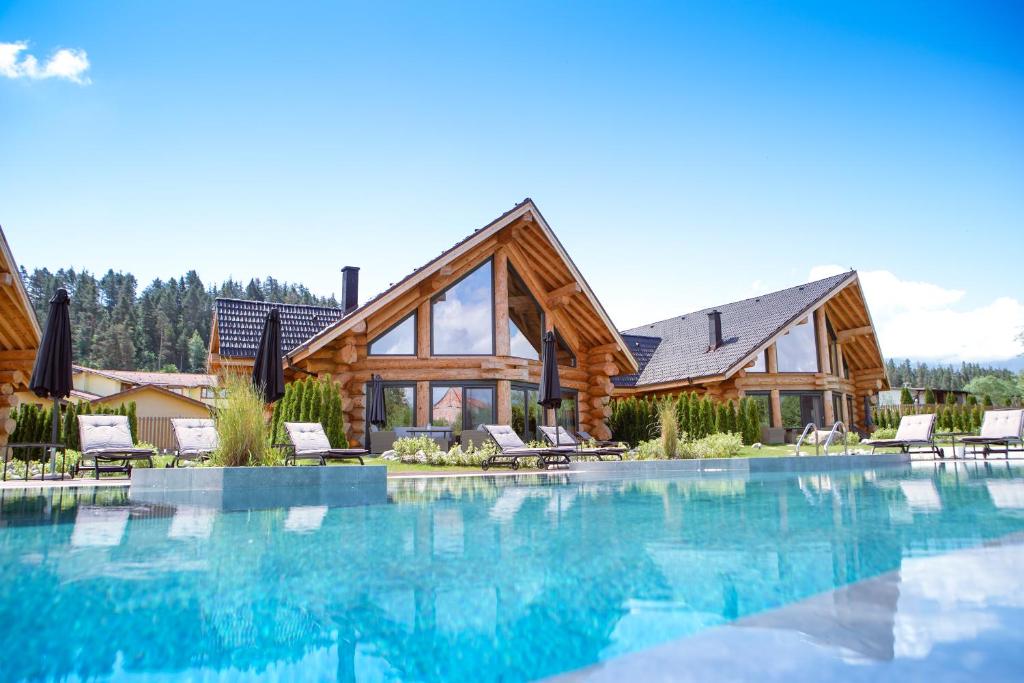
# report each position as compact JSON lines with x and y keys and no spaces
{"x":240,"y":322}
{"x":678,"y":347}
{"x":643,"y":349}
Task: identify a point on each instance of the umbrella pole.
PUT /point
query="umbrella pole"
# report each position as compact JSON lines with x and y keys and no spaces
{"x":53,"y":434}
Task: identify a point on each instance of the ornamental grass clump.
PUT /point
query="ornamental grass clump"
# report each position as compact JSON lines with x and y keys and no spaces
{"x":241,"y":427}
{"x":668,"y":419}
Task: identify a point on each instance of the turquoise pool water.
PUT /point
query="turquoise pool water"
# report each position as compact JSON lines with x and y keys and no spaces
{"x":475,"y":579}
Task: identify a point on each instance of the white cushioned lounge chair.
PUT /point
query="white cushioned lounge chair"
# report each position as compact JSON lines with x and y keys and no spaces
{"x":196,"y":438}
{"x":914,"y":431}
{"x":999,"y":428}
{"x":309,"y":442}
{"x":108,"y":439}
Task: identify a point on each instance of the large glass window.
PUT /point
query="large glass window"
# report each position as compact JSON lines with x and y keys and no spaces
{"x":399,"y":406}
{"x":461,"y":407}
{"x":462,"y":316}
{"x":400,"y":340}
{"x":764,"y":406}
{"x":800,"y":408}
{"x":760,"y":364}
{"x":525,"y":319}
{"x":796,"y":351}
{"x":526,"y":412}
{"x":563,"y":353}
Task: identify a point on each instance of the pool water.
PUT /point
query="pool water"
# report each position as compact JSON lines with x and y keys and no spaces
{"x":470,"y":579}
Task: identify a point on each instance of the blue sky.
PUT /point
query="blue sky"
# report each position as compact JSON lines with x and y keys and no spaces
{"x":685,"y":155}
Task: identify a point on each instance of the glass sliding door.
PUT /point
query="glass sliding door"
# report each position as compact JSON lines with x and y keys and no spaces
{"x":567,"y":415}
{"x":802,"y":407}
{"x":526,"y":412}
{"x":461,"y":406}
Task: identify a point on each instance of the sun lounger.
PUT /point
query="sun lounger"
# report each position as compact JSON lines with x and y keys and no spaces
{"x":513,"y":450}
{"x":309,"y":442}
{"x":108,"y":439}
{"x":196,"y":439}
{"x":998,"y":428}
{"x":587,"y":438}
{"x":914,"y":431}
{"x":563,"y":440}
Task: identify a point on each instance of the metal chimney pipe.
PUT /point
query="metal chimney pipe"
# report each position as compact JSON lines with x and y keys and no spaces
{"x":714,"y":330}
{"x":349,"y":289}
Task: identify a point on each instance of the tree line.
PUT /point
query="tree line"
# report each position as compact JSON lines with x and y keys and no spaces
{"x":164,"y":327}
{"x":904,"y":373}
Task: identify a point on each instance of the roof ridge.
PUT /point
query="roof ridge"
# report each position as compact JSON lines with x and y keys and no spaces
{"x":740,"y":301}
{"x":274,"y":303}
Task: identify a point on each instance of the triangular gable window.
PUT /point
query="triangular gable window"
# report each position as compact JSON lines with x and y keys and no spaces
{"x":399,"y":340}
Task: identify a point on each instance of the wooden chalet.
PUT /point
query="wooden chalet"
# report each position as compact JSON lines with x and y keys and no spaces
{"x":19,"y":338}
{"x":457,"y":342}
{"x":809,"y":353}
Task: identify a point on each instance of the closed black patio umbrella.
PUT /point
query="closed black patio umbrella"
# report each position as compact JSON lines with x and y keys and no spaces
{"x":267,"y":372}
{"x":376,"y":413}
{"x":51,"y":374}
{"x":550,"y":385}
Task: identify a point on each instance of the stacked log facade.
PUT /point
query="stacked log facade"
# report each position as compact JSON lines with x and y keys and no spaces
{"x":523,"y":245}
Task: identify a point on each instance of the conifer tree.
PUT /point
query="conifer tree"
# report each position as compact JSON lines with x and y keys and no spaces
{"x":905,"y":397}
{"x":734,"y":423}
{"x":721,"y":418}
{"x":683,"y":412}
{"x":929,"y":397}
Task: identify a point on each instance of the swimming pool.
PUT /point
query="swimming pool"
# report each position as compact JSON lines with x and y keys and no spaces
{"x":457,"y":579}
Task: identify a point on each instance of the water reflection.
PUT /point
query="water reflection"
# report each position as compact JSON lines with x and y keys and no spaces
{"x":472,"y":579}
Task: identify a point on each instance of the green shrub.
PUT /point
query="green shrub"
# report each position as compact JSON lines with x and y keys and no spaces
{"x":884,"y":433}
{"x":905,"y":397}
{"x":243,"y":433}
{"x":649,"y":450}
{"x":724,"y":445}
{"x":411,"y":445}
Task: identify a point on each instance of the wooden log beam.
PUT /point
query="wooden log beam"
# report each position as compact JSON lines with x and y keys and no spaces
{"x":847,"y":335}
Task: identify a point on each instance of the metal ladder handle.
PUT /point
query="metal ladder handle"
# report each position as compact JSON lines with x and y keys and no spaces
{"x":831,"y":436}
{"x":800,"y":441}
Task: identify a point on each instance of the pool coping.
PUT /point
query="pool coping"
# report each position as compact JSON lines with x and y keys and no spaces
{"x":739,"y":465}
{"x":852,"y":632}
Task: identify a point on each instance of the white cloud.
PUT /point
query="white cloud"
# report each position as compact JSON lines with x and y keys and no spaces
{"x":922,"y":320}
{"x":67,"y":63}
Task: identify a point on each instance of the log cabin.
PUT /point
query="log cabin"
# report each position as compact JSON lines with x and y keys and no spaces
{"x":19,"y":338}
{"x":457,"y":342}
{"x":807,"y":354}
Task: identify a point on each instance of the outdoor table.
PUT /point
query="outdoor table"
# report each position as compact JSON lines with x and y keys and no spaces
{"x":952,"y":436}
{"x":428,"y":430}
{"x":7,"y":448}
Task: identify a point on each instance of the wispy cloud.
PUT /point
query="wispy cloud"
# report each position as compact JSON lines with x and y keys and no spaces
{"x":926,"y":321}
{"x":66,"y":63}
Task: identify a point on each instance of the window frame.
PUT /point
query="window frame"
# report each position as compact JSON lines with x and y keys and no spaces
{"x":820,"y":395}
{"x":512,"y":272}
{"x":464,"y":384}
{"x":415,"y":338}
{"x":527,"y":387}
{"x":813,"y":321}
{"x":436,"y":295}
{"x":763,"y":355}
{"x":767,"y":395}
{"x":402,"y":383}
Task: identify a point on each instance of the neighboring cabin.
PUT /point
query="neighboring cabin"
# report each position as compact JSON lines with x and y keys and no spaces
{"x":808,"y":354}
{"x":93,"y":383}
{"x":457,"y":341}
